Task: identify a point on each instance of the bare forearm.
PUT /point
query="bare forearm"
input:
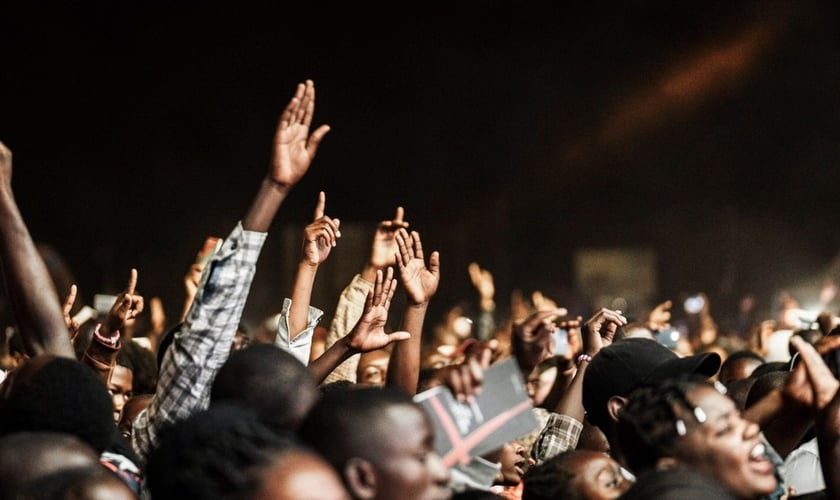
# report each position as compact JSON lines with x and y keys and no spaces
{"x":404,"y":365}
{"x":265,"y":206}
{"x":31,"y":292}
{"x":301,"y":297}
{"x":571,"y":403}
{"x":329,"y":361}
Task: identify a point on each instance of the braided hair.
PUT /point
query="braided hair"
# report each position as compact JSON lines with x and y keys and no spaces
{"x":655,"y":417}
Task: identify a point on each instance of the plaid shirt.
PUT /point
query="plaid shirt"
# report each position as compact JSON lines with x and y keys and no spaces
{"x":560,"y":433}
{"x":202,"y":345}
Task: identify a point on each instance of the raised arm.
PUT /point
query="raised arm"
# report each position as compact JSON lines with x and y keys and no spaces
{"x":101,"y":352}
{"x":420,"y":283}
{"x":352,"y":300}
{"x":368,"y":334}
{"x":31,"y":291}
{"x":294,"y":149}
{"x":319,"y":238}
{"x":203,"y":343}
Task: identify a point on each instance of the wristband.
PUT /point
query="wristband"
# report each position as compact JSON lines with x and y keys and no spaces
{"x":109,"y":341}
{"x":584,"y":357}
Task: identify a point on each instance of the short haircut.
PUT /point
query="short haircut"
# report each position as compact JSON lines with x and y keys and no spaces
{"x":551,"y":479}
{"x":268,"y":380}
{"x":343,"y":424}
{"x":218,"y":453}
{"x":78,"y":482}
{"x":63,"y":395}
{"x":27,"y":456}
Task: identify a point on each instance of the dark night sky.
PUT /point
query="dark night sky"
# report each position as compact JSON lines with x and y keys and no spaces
{"x":512,"y":134}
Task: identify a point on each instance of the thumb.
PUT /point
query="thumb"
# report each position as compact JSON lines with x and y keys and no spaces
{"x":398,"y":336}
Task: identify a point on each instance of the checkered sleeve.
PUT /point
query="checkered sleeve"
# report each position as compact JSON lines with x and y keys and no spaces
{"x":560,"y":433}
{"x":202,"y":345}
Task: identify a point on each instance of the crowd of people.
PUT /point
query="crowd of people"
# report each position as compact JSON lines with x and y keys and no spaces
{"x":624,"y":405}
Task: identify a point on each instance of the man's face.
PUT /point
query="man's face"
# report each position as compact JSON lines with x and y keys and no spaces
{"x":120,"y":389}
{"x":408,"y":466}
{"x":373,"y":368}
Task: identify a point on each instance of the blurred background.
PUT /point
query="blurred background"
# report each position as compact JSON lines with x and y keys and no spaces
{"x":604,"y":153}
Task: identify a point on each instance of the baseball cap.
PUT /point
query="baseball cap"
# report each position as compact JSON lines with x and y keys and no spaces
{"x":631,"y":362}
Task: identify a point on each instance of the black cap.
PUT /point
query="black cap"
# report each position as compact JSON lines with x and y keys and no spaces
{"x":632,"y":362}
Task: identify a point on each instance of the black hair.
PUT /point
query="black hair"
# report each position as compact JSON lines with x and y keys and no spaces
{"x":218,"y":453}
{"x":142,"y":364}
{"x":338,"y":385}
{"x":654,"y":417}
{"x":341,"y":424}
{"x":268,"y":380}
{"x":551,"y":479}
{"x":63,"y":395}
{"x":74,"y":483}
{"x":681,"y":483}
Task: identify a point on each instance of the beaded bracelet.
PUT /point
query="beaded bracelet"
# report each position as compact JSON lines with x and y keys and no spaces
{"x":584,"y":357}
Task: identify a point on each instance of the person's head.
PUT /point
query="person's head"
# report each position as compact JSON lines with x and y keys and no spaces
{"x":144,"y":368}
{"x":268,"y":380}
{"x":514,"y":459}
{"x":380,"y":442}
{"x":60,"y":395}
{"x":688,"y":422}
{"x":540,"y":381}
{"x":132,"y":408}
{"x":27,"y":456}
{"x":576,"y":475}
{"x":226,"y":452}
{"x":739,"y":366}
{"x":121,"y":384}
{"x":630,"y":363}
{"x":373,"y":368}
{"x":91,"y":482}
{"x":738,"y":390}
{"x":593,"y":439}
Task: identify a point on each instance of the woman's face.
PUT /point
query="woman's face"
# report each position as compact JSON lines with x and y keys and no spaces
{"x":726,"y":446}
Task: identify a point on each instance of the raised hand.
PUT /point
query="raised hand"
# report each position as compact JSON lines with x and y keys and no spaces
{"x":5,"y":165}
{"x":482,"y":280}
{"x":321,"y":235}
{"x":127,"y":306}
{"x":531,"y":339}
{"x":599,"y":330}
{"x":369,"y":333}
{"x":420,"y":282}
{"x":72,"y":323}
{"x":660,"y":317}
{"x":543,"y":303}
{"x":466,"y":378}
{"x":294,"y":147}
{"x":384,"y":243}
{"x":811,"y":382}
